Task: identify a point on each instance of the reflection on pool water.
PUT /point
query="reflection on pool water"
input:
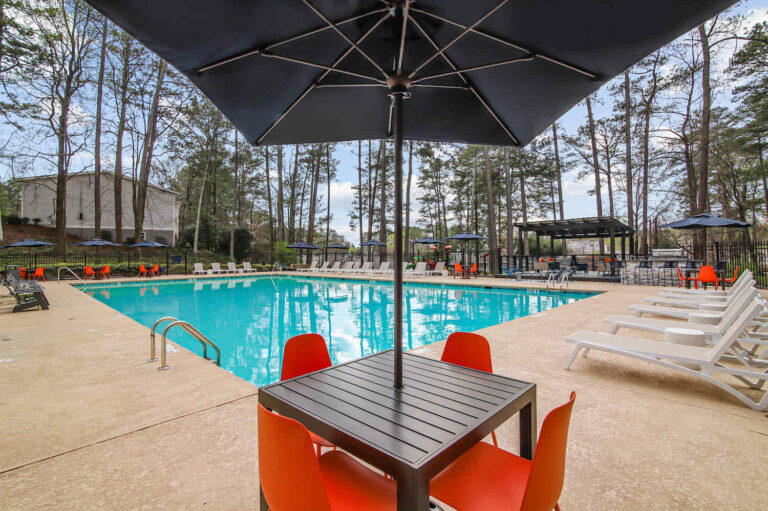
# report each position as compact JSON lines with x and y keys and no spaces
{"x":250,"y":318}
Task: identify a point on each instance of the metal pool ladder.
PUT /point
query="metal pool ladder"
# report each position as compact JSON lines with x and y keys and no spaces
{"x":191,"y":330}
{"x":58,"y":275}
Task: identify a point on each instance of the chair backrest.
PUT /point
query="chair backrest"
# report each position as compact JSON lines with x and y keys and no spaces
{"x":325,"y":265}
{"x":40,"y":271}
{"x":469,"y":350}
{"x":474,"y":268}
{"x":336,"y":265}
{"x":356,"y":265}
{"x":420,"y":267}
{"x":545,"y":482}
{"x":88,"y":269}
{"x":198,"y":266}
{"x":304,"y":354}
{"x":367,"y":266}
{"x":457,"y":268}
{"x":680,"y":274}
{"x":735,"y":277}
{"x":439,"y":266}
{"x":707,"y":274}
{"x":216,"y":266}
{"x":103,"y":270}
{"x":739,"y":302}
{"x":384,"y":265}
{"x":156,"y":267}
{"x":231,"y":266}
{"x":735,"y":330}
{"x":287,"y":461}
{"x":246,"y":265}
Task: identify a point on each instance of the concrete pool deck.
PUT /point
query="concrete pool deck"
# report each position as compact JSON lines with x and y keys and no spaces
{"x":88,"y":423}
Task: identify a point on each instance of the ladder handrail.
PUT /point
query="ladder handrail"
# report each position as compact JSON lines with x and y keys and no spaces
{"x":194,"y":332}
{"x":152,"y":357}
{"x":58,"y":274}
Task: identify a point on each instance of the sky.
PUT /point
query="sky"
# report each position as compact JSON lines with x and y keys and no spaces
{"x":577,"y":202}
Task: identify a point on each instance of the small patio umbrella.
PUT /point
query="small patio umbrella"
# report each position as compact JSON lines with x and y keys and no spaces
{"x":485,"y":72}
{"x":302,"y":245}
{"x":426,"y":241}
{"x":372,"y":243}
{"x":30,"y":244}
{"x":335,"y":246}
{"x":705,"y":221}
{"x":148,"y":244}
{"x":466,"y":236}
{"x":96,"y":242}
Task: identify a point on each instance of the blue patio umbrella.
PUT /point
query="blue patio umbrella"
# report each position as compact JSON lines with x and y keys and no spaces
{"x":466,"y":236}
{"x":427,"y":241}
{"x":148,"y":244}
{"x":372,"y":243}
{"x":96,"y":242}
{"x":29,"y":243}
{"x":335,"y":246}
{"x":302,"y":245}
{"x":703,"y":221}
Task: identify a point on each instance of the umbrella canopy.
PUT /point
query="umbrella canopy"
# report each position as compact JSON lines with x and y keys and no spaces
{"x":302,"y":245}
{"x":96,"y":242}
{"x":148,"y":244}
{"x":466,"y":236}
{"x":703,"y":221}
{"x":337,"y":246}
{"x":484,"y":72}
{"x":29,"y":243}
{"x":372,"y":243}
{"x":426,"y":241}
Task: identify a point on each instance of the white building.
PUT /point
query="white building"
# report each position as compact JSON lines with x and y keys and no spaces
{"x":161,"y":214}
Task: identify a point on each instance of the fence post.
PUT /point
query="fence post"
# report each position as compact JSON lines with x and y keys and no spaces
{"x":185,"y":262}
{"x":167,"y":263}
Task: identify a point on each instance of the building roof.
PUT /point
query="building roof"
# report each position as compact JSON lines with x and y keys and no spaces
{"x":89,"y":173}
{"x":590,"y":227}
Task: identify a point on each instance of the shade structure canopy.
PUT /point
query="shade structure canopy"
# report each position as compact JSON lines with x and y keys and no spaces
{"x":96,"y":242}
{"x":302,"y":245}
{"x":148,"y":244}
{"x":466,"y":236}
{"x":29,"y":243}
{"x":703,"y":221}
{"x":578,"y":228}
{"x":486,"y":72}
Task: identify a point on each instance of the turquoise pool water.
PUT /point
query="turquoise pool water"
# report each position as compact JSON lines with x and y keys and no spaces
{"x":250,"y":318}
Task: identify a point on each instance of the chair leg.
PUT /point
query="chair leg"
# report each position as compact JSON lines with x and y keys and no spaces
{"x":493,"y":436}
{"x":557,"y":507}
{"x":318,"y":448}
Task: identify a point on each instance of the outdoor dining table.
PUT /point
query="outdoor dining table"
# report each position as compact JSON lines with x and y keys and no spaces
{"x":411,"y":433}
{"x":695,"y":271}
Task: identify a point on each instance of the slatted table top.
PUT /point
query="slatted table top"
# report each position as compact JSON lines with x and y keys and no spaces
{"x":355,"y":406}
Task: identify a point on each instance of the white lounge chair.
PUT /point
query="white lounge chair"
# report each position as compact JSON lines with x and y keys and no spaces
{"x":382,"y":269}
{"x":311,"y":267}
{"x":216,"y":267}
{"x":333,"y":268}
{"x":366,"y":268}
{"x":324,"y":266}
{"x":701,"y":362}
{"x":419,"y":270}
{"x":714,"y":332}
{"x":439,"y":269}
{"x":735,"y":290}
{"x":697,"y":302}
{"x":346,"y":268}
{"x":682,"y":312}
{"x":198,"y":269}
{"x":247,"y":267}
{"x":231,"y":268}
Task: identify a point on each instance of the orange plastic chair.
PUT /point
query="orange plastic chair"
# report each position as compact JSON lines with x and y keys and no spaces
{"x":39,"y":274}
{"x":293,"y":478}
{"x":733,"y":279}
{"x":487,"y":477}
{"x":155,"y":271}
{"x":89,"y":273}
{"x":306,"y":353}
{"x":469,"y":350}
{"x":473,"y":270}
{"x":143,"y":271}
{"x":707,"y":275}
{"x":105,"y":273}
{"x":683,"y":279}
{"x":458,"y":270}
{"x":22,"y":273}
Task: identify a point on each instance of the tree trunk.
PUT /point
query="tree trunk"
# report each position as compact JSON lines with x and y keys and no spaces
{"x":118,"y":183}
{"x":559,"y":171}
{"x":595,"y":164}
{"x":280,"y":211}
{"x":523,"y":201}
{"x":646,"y":171}
{"x":508,"y":200}
{"x":97,"y":141}
{"x":269,"y":203}
{"x":628,"y":149}
{"x":408,"y":200}
{"x":328,"y":192}
{"x":763,"y":178}
{"x":492,"y":240}
{"x":209,"y":154}
{"x":314,"y":185}
{"x":382,"y":167}
{"x":62,"y":166}
{"x":706,"y":106}
{"x":236,"y":213}
{"x":150,"y":137}
{"x":360,"y":188}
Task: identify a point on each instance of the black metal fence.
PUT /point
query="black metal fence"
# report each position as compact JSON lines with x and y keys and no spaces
{"x":744,"y":256}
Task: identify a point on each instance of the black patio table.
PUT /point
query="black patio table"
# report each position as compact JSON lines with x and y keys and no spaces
{"x":410,"y":433}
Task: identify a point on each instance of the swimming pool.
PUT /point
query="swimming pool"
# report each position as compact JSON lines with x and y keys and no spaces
{"x":250,"y":318}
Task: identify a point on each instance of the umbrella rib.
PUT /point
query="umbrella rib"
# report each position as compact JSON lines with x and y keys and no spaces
{"x":320,"y":66}
{"x":527,"y":58}
{"x":468,"y":83}
{"x":343,"y":35}
{"x":328,"y":70}
{"x":498,"y":39}
{"x":255,"y":51}
{"x":402,"y":36}
{"x":457,"y":38}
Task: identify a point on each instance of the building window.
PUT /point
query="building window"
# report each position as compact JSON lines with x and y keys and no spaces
{"x":143,"y":236}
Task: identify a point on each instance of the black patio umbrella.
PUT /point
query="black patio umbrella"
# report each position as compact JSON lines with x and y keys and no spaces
{"x":426,"y":241}
{"x":29,"y":243}
{"x":335,"y":247}
{"x":466,"y":236}
{"x":302,"y":245}
{"x":483,"y":72}
{"x":703,"y":221}
{"x":96,"y":242}
{"x":148,"y":244}
{"x":372,"y":243}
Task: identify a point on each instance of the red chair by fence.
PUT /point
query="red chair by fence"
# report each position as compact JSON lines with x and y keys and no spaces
{"x":706,"y":276}
{"x":469,"y":350}
{"x":731,"y":280}
{"x":293,"y":478}
{"x":306,"y":353}
{"x":155,"y":271}
{"x":684,"y":279}
{"x":104,"y":273}
{"x":472,"y":271}
{"x":487,"y":477}
{"x":22,"y":273}
{"x":458,"y":270}
{"x":88,"y":273}
{"x":143,"y":271}
{"x":39,"y":274}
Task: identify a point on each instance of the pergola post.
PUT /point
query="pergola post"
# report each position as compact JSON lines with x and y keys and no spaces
{"x":623,"y":246}
{"x":538,"y":245}
{"x":552,"y":246}
{"x":612,"y":235}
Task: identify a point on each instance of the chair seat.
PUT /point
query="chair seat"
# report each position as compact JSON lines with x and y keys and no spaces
{"x":318,"y":440}
{"x":486,"y":477}
{"x":352,"y":486}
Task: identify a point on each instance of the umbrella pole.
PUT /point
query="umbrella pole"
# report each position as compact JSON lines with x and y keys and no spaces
{"x":397,"y":95}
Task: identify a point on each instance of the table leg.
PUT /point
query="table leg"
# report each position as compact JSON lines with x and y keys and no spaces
{"x":412,"y":493}
{"x":528,"y":429}
{"x":262,"y":501}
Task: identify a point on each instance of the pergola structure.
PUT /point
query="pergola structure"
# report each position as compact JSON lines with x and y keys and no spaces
{"x":581,"y":228}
